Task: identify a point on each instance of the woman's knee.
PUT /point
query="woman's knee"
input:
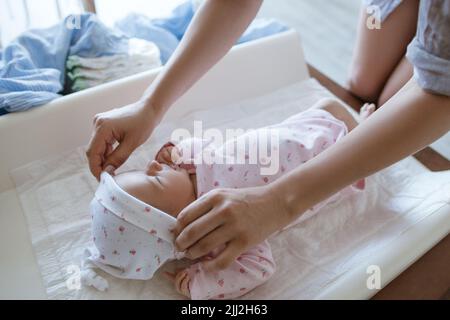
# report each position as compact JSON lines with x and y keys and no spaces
{"x":362,"y":85}
{"x":377,"y":52}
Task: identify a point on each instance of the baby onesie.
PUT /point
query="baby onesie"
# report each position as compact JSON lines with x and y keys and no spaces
{"x":297,"y":140}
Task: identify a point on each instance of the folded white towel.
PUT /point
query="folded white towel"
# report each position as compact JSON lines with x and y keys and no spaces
{"x":85,"y":73}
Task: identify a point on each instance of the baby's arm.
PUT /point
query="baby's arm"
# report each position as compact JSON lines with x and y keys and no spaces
{"x":251,"y":269}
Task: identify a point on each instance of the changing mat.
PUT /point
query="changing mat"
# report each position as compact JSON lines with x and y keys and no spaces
{"x":55,"y":194}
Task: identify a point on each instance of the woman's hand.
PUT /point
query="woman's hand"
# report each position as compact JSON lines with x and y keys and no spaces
{"x":236,"y":218}
{"x":129,"y":126}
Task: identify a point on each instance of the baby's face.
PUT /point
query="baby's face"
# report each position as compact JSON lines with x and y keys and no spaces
{"x":160,"y":186}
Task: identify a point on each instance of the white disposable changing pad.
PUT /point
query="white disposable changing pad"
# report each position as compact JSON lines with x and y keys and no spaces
{"x":310,"y":257}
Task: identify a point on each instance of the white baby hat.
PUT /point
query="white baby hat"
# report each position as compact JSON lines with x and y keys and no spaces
{"x":131,"y":238}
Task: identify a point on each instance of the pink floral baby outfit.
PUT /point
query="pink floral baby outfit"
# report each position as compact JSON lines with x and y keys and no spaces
{"x":299,"y":139}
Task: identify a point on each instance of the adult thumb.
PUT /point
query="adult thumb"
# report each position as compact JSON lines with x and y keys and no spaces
{"x":118,"y":156}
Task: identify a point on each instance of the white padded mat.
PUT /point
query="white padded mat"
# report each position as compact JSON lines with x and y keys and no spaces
{"x":55,"y":194}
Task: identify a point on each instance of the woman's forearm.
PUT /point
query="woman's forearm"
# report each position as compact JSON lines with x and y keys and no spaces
{"x":410,"y":121}
{"x":213,"y":31}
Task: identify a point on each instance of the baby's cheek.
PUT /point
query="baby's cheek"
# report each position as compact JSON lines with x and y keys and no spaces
{"x":180,"y":193}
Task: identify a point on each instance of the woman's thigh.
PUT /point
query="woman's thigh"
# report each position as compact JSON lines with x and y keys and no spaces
{"x":379,"y":51}
{"x":398,"y":78}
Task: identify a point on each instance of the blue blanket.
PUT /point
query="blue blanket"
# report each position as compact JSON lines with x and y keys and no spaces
{"x":32,"y":67}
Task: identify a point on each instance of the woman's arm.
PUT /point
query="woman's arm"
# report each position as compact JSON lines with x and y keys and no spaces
{"x":408,"y":122}
{"x":213,"y":31}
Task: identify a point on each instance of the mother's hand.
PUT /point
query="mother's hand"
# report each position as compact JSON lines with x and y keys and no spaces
{"x":129,"y":126}
{"x":237,"y":218}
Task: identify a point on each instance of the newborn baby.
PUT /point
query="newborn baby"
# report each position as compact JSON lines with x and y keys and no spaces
{"x":134,"y":212}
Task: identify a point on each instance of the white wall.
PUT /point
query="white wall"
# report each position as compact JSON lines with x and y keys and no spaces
{"x":18,"y":15}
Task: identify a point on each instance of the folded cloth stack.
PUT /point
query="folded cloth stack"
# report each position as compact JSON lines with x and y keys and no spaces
{"x":85,"y":73}
{"x":32,"y":68}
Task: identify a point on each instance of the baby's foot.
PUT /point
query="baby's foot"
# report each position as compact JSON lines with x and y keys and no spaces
{"x":366,"y":110}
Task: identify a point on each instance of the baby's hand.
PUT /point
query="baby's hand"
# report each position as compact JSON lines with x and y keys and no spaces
{"x":169,"y":155}
{"x":181,"y":281}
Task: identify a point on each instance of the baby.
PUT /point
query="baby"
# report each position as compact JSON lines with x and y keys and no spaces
{"x":134,"y":212}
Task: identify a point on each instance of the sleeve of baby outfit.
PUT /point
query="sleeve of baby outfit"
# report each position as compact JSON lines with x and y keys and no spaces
{"x":249,"y":270}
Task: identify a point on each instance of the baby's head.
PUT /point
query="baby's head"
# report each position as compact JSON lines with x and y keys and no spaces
{"x":131,"y":226}
{"x":159,"y":185}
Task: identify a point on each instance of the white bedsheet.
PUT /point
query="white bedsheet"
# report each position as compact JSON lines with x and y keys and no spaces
{"x":55,"y":193}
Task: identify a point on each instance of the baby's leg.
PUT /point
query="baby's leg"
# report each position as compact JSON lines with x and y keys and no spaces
{"x":338,"y":110}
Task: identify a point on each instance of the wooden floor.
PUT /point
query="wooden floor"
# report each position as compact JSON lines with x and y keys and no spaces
{"x":327,"y":28}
